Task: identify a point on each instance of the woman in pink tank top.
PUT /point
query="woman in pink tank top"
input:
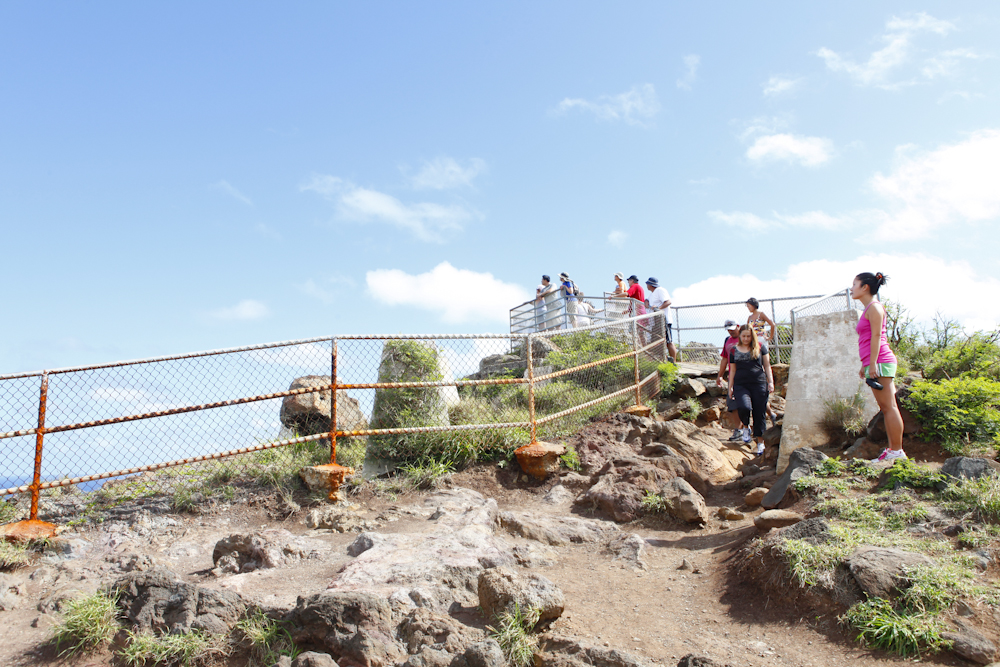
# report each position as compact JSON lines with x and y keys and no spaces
{"x":878,"y":363}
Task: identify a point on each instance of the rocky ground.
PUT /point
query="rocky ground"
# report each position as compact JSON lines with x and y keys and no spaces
{"x":415,"y":579}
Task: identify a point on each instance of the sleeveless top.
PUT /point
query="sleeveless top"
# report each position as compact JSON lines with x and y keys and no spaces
{"x":758,"y":326}
{"x":864,"y":329}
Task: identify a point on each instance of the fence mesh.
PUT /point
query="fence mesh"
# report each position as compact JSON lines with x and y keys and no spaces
{"x":205,"y":423}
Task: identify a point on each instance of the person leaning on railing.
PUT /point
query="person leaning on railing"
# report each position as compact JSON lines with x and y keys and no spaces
{"x":659,"y":300}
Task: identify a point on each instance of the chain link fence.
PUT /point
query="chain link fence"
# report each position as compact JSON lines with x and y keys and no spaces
{"x":209,"y":422}
{"x":700,"y":331}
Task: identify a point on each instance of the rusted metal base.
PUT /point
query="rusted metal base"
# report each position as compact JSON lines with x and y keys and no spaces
{"x":638,"y":410}
{"x":538,"y":459}
{"x":328,"y":477}
{"x":29,"y":529}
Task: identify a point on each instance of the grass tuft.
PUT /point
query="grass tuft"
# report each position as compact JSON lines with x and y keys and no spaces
{"x":13,"y":555}
{"x":143,"y":648}
{"x":904,"y":632}
{"x":513,"y":633}
{"x":268,"y":638}
{"x":88,"y":623}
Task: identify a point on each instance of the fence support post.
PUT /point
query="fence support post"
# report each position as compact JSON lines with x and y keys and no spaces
{"x":333,"y":402}
{"x":635,"y":363}
{"x":529,"y":341}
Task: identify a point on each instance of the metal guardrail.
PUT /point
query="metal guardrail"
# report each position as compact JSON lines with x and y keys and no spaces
{"x":76,"y":426}
{"x":557,"y":311}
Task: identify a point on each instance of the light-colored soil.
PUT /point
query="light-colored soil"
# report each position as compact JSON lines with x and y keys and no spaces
{"x":659,"y":614}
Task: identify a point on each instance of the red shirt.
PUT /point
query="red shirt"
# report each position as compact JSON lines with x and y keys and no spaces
{"x":636,"y":292}
{"x":728,"y":345}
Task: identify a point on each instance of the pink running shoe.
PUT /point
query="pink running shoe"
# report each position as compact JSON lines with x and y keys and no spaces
{"x":889,"y":455}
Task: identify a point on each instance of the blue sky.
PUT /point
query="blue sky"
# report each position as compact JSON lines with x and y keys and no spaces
{"x":189,"y":176}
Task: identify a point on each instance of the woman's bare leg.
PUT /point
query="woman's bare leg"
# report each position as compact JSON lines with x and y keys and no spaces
{"x":886,"y":399}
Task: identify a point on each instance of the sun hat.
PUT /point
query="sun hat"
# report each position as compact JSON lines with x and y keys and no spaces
{"x":620,"y":276}
{"x":634,"y":277}
{"x":654,"y":282}
{"x":564,"y":275}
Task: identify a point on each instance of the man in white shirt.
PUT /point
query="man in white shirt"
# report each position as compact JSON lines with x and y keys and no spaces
{"x":659,"y":299}
{"x":544,"y":293}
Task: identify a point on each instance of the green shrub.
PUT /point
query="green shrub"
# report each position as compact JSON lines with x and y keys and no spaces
{"x":425,"y":472}
{"x":908,"y":473}
{"x":268,"y":639}
{"x":830,"y":467}
{"x":88,"y":623}
{"x":962,"y":413}
{"x":974,"y":356}
{"x":979,"y":496}
{"x":654,"y":503}
{"x":904,"y":632}
{"x":571,"y":459}
{"x":691,"y":409}
{"x":668,"y":377}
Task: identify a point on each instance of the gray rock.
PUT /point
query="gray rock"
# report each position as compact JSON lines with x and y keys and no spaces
{"x":692,"y":660}
{"x":435,"y":569}
{"x":879,"y":571}
{"x":157,"y":600}
{"x":431,"y":657}
{"x":754,"y":496}
{"x":630,"y":548}
{"x":800,"y":464}
{"x":690,"y":388}
{"x":423,"y":629}
{"x":561,"y":651}
{"x":485,"y":654}
{"x":623,"y":483}
{"x":971,"y":645}
{"x":314,"y":659}
{"x":502,"y":589}
{"x":685,"y":503}
{"x":283,"y":661}
{"x":364,"y":542}
{"x":959,"y":467}
{"x":339,"y":518}
{"x":769,"y":519}
{"x":56,"y":600}
{"x":556,"y":530}
{"x":863,"y":448}
{"x":354,"y":627}
{"x":10,"y":592}
{"x":534,"y":555}
{"x":261,"y":549}
{"x":558,"y":495}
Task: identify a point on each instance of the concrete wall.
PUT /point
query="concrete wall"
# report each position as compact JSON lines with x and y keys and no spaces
{"x":824,"y":365}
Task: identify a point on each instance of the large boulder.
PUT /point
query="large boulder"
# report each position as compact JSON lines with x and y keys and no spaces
{"x":881,"y":571}
{"x":769,"y":519}
{"x":502,"y":590}
{"x":157,"y":600}
{"x":684,"y":502}
{"x":967,"y":467}
{"x":434,"y":569}
{"x":354,"y":627}
{"x":554,"y":529}
{"x":703,"y":453}
{"x":309,"y":414}
{"x":621,"y":486}
{"x":423,"y":629}
{"x":800,"y":464}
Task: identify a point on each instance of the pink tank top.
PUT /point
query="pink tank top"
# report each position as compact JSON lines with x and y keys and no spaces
{"x":864,"y":329}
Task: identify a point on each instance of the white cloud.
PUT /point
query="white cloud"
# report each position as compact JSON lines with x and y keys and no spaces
{"x":634,"y":107}
{"x":741,"y":220}
{"x":229,"y":189}
{"x":427,"y":221}
{"x":444,"y":173}
{"x":922,"y":283}
{"x":810,"y":220}
{"x":777,"y":85}
{"x":808,"y":151}
{"x":898,"y":51}
{"x":691,"y":63}
{"x":248,"y":309}
{"x":439,"y":290}
{"x":955,"y":183}
{"x":617,"y":238}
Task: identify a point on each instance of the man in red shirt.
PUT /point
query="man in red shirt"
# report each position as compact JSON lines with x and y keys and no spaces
{"x":636,"y":292}
{"x":734,"y":338}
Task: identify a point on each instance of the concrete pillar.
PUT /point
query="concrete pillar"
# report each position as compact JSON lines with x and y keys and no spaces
{"x":824,"y":365}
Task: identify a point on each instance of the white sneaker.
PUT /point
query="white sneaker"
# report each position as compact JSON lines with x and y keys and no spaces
{"x":760,"y":449}
{"x":746,"y":435}
{"x":737,"y":434}
{"x":889,"y":455}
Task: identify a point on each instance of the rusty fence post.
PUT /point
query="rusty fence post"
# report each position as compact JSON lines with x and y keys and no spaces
{"x":36,"y":480}
{"x":333,"y":402}
{"x":529,"y":341}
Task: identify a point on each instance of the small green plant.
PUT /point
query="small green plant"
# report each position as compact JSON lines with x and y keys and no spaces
{"x":962,"y":413}
{"x":908,"y":473}
{"x":830,"y":467}
{"x":88,"y":623}
{"x":653,"y":503}
{"x":904,"y":632}
{"x":425,"y":472}
{"x":692,"y":409}
{"x":13,"y":555}
{"x":863,"y":469}
{"x":845,"y":415}
{"x":979,"y":496}
{"x":668,"y":376}
{"x":143,"y":648}
{"x":974,"y":539}
{"x":8,"y":512}
{"x":268,"y":638}
{"x":571,"y":459}
{"x":513,"y":632}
